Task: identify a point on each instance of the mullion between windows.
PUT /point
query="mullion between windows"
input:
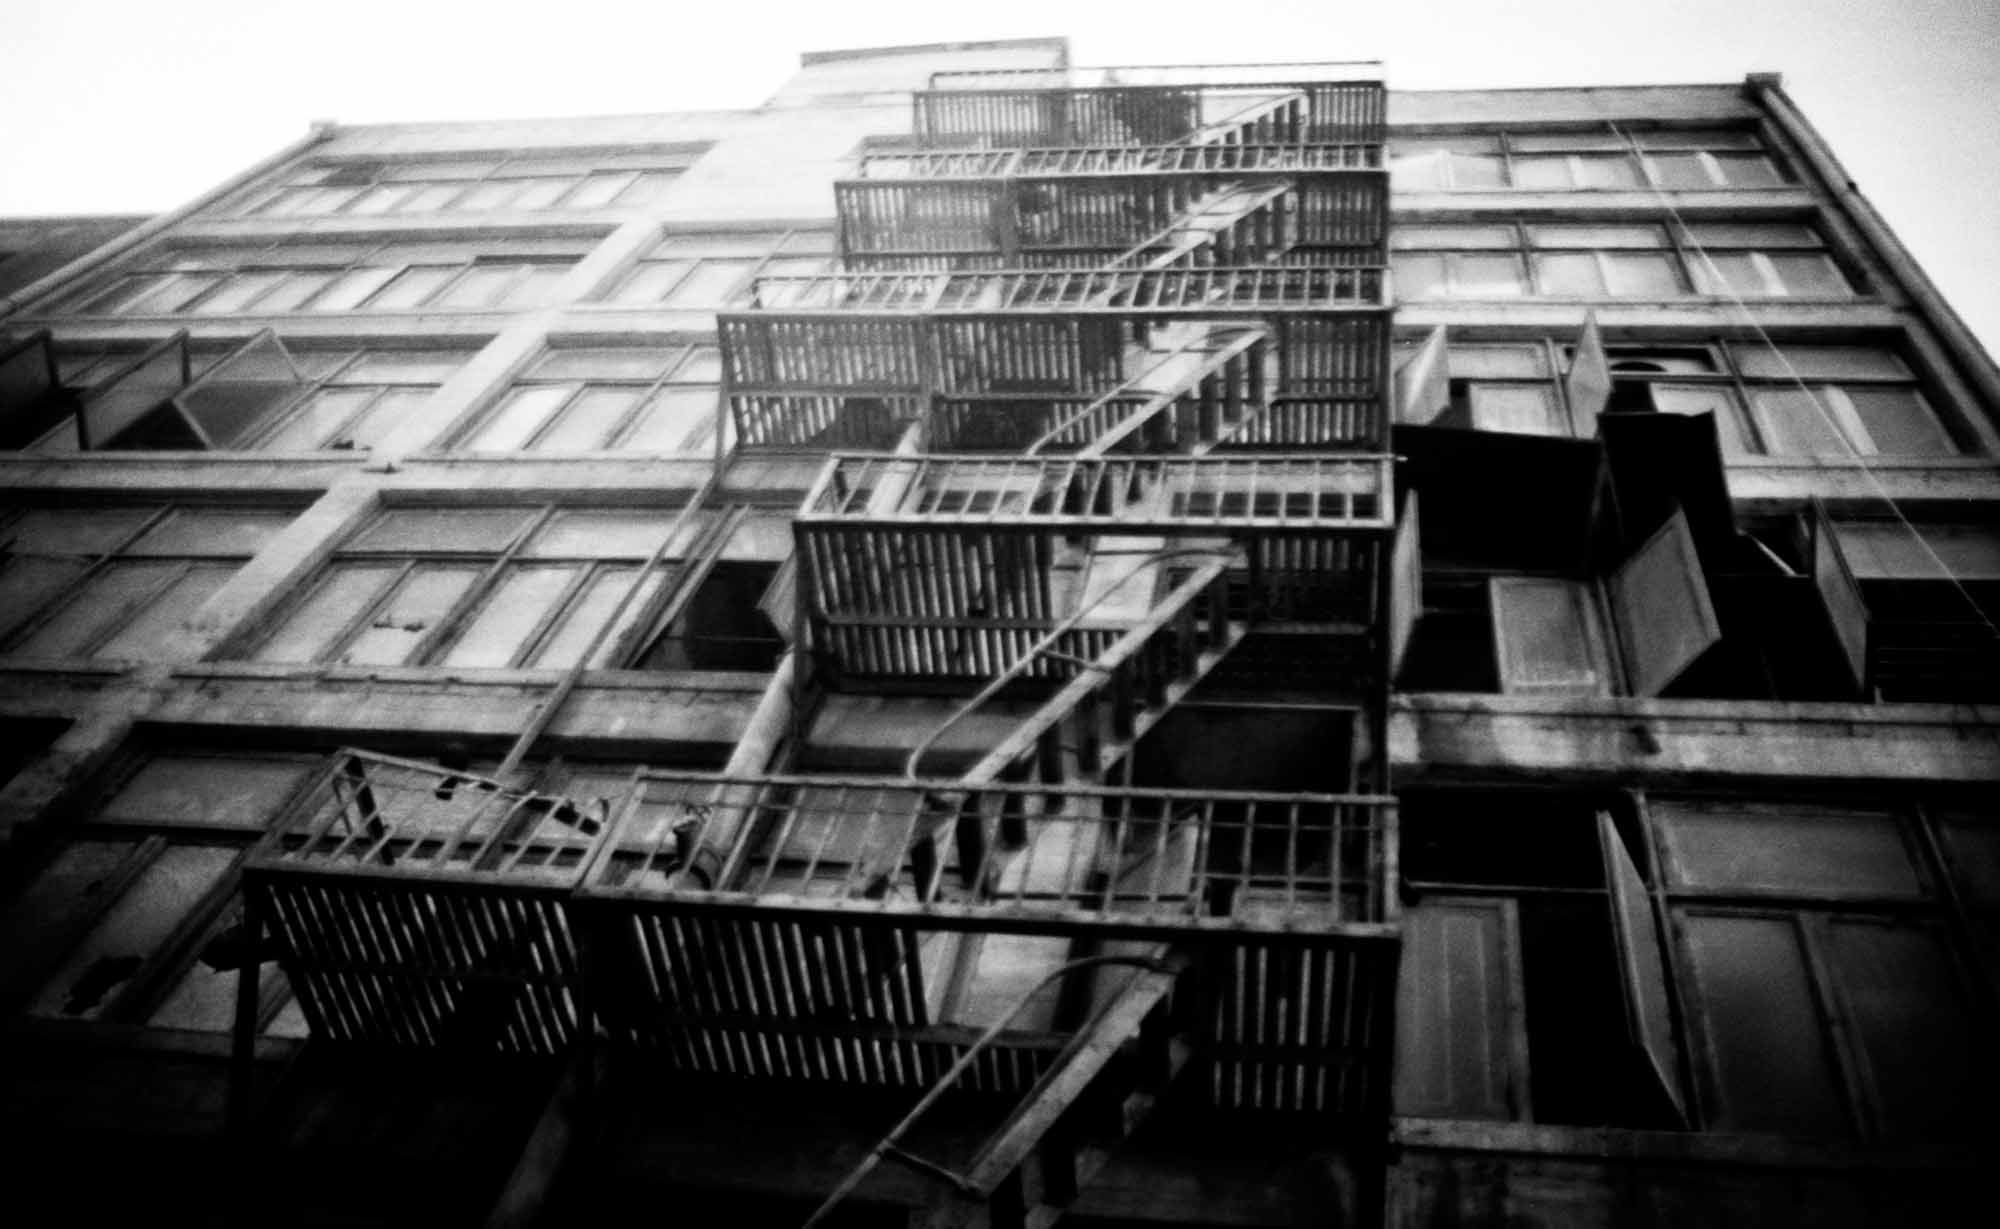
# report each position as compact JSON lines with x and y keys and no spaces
{"x":553,"y":417}
{"x":133,"y":606}
{"x":1856,"y":1093}
{"x":616,"y":437}
{"x":559,"y":610}
{"x":360,"y":621}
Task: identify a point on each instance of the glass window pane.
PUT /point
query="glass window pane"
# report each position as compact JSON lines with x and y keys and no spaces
{"x":144,"y":635}
{"x":317,"y":421}
{"x":428,"y":198}
{"x":651,"y":282}
{"x":1417,"y":170}
{"x":405,"y":367}
{"x":1796,"y":423}
{"x":589,"y":421}
{"x":703,"y":365}
{"x":1595,"y":138}
{"x":1597,"y":236}
{"x":1480,"y":276}
{"x":508,"y":615}
{"x":646,"y":188}
{"x":1471,"y":362}
{"x":1477,"y":171}
{"x":493,"y":194}
{"x":1751,"y":235}
{"x":72,"y":883}
{"x":145,"y":916}
{"x":539,"y":193}
{"x":589,"y":612}
{"x":1898,"y":422}
{"x":1972,"y":849}
{"x":1771,"y":850}
{"x":1524,"y":409}
{"x":1819,"y":362}
{"x":413,"y":612}
{"x":1418,"y":275}
{"x":521,"y":413}
{"x":1411,"y":237}
{"x":1748,"y":170}
{"x":536,"y":286}
{"x":411,"y":288}
{"x":293,"y":289}
{"x":351,"y":289}
{"x":1642,"y":275}
{"x":211,"y":791}
{"x":1706,"y":399}
{"x":380,"y":199}
{"x":1699,"y":138}
{"x":204,"y":1000}
{"x":1809,"y":274}
{"x":1608,"y":171}
{"x":597,"y":191}
{"x":1911,"y":1025}
{"x":26,"y":584}
{"x":479,"y":286}
{"x":1542,"y":173}
{"x":1548,"y":637}
{"x":603,"y":535}
{"x":103,"y":602}
{"x":621,"y":363}
{"x":1574,"y":274}
{"x":336,"y":601}
{"x":711,"y":281}
{"x":239,"y":292}
{"x":1726,"y":273}
{"x":436,"y":529}
{"x":671,"y":418}
{"x":393,"y":408}
{"x":1680,"y":171}
{"x":1773,"y":1067}
{"x":73,"y":531}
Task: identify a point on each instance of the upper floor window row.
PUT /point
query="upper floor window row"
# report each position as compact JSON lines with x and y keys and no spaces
{"x":467,"y":185}
{"x":626,"y":398}
{"x":1787,"y":400}
{"x":321,"y":277}
{"x":716,"y":270}
{"x":1626,"y":261}
{"x":1597,"y":158}
{"x":298,"y":400}
{"x":116,"y":581}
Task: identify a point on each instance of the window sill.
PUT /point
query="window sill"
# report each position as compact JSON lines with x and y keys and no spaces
{"x":1620,"y":1144}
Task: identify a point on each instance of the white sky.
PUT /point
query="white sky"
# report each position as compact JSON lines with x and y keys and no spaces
{"x":134,"y":106}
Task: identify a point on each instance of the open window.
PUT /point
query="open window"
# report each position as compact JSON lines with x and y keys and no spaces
{"x":1406,"y":584}
{"x":1660,"y":604}
{"x":127,"y":410}
{"x":1587,"y":387}
{"x":1423,"y":382}
{"x":32,"y":396}
{"x":239,"y":393}
{"x":1534,"y":982}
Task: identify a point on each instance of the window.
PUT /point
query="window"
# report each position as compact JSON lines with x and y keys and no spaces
{"x":1829,"y":996}
{"x":631,"y":399}
{"x":1804,"y":981}
{"x":1787,"y":400}
{"x":1932,"y":592}
{"x":116,"y":582}
{"x":1533,"y":980}
{"x":1613,"y":261}
{"x":330,"y":399}
{"x":489,"y":587}
{"x":1598,"y":158}
{"x":1634,"y":631}
{"x":468,"y":185}
{"x":715,"y":270}
{"x":334,"y":277}
{"x":120,"y":922}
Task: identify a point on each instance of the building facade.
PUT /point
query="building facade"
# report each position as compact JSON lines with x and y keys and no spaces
{"x":990,"y":642}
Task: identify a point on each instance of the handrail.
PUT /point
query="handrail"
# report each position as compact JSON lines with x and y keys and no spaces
{"x":1123,"y":645}
{"x":1229,"y":349}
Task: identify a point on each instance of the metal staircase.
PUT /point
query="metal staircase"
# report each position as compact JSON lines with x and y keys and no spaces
{"x":1104,"y":384}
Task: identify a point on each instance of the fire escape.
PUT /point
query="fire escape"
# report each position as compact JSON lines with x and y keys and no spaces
{"x":1104,"y":383}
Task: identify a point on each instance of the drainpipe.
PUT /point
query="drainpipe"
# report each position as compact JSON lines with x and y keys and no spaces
{"x":1969,"y":356}
{"x":318,"y":134}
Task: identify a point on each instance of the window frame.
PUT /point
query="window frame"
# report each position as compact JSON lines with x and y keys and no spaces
{"x":646,"y":176}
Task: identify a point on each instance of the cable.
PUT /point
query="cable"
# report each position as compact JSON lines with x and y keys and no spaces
{"x":1861,"y":460}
